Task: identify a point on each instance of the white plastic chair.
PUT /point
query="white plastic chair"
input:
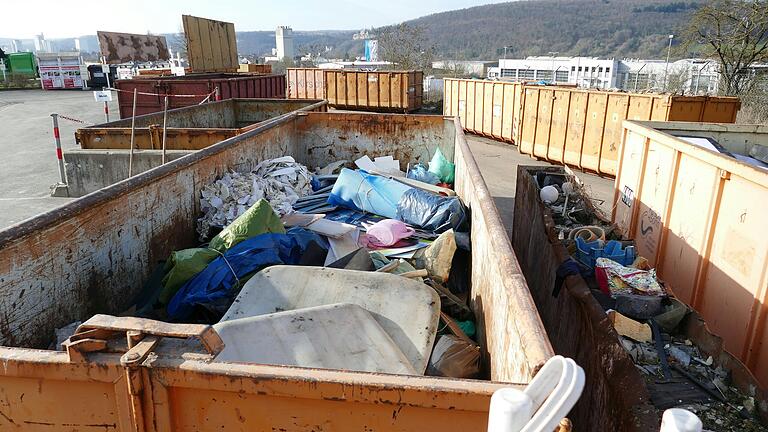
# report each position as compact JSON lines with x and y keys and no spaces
{"x":545,"y":401}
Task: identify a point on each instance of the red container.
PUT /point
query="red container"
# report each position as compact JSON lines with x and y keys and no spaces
{"x":199,"y":85}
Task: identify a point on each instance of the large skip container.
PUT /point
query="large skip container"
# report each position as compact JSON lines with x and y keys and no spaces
{"x":699,"y":217}
{"x":578,"y":326}
{"x":400,"y":91}
{"x":192,"y":89}
{"x":103,"y":158}
{"x":581,"y":128}
{"x":93,"y":254}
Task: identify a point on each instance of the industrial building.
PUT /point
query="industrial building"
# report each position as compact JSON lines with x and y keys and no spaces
{"x":691,"y":76}
{"x":284,"y":43}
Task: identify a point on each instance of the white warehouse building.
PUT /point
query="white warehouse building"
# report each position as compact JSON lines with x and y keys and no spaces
{"x":694,"y":76}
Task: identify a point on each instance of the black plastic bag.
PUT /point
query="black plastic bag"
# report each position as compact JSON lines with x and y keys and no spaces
{"x":430,"y":211}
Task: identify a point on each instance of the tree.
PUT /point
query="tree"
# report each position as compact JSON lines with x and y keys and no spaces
{"x":406,"y":46}
{"x":735,"y":33}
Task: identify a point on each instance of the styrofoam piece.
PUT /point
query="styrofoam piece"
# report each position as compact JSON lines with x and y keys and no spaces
{"x":406,"y":309}
{"x":680,"y":420}
{"x":338,"y":336}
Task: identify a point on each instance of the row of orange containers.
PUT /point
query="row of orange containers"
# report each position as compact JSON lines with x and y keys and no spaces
{"x":581,"y":128}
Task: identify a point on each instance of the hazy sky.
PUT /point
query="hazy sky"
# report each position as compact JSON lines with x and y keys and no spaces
{"x":57,"y":19}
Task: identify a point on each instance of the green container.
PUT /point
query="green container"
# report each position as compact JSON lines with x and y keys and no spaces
{"x":22,"y":63}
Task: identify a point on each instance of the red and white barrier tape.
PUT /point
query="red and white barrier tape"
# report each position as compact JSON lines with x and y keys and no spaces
{"x":62,"y":116}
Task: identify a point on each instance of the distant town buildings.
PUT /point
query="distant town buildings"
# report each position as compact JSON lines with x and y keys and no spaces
{"x":691,"y":76}
{"x":284,"y":43}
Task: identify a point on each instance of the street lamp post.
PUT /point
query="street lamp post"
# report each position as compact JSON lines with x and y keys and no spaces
{"x":553,"y":54}
{"x":666,"y":67}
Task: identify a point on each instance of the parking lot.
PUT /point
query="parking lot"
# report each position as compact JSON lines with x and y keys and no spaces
{"x":28,"y":165}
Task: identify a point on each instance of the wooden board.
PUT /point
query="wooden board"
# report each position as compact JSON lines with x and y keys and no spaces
{"x":211,"y":45}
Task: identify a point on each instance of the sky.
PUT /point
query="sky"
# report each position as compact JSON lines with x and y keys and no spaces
{"x":59,"y":19}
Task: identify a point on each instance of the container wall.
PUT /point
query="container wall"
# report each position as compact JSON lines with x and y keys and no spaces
{"x":305,"y":83}
{"x":90,"y":170}
{"x":387,"y":91}
{"x":44,"y":388}
{"x":698,"y":217}
{"x":489,"y":108}
{"x":575,"y":322}
{"x":192,"y":89}
{"x":509,"y":327}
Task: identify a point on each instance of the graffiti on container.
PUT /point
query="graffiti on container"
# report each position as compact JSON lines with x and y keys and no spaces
{"x":126,"y":47}
{"x":650,"y":222}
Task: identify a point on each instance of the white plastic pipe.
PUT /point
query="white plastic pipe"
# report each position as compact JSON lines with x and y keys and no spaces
{"x":510,"y":410}
{"x":680,"y":420}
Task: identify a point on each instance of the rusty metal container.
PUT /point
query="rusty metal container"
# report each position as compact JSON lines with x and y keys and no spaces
{"x":564,"y":125}
{"x":255,"y":68}
{"x":199,"y":85}
{"x":387,"y":91}
{"x":93,"y":254}
{"x":589,"y":337}
{"x":103,"y":158}
{"x":305,"y":83}
{"x":699,"y":218}
{"x":193,"y":127}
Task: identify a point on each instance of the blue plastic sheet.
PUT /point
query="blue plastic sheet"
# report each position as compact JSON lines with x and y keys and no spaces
{"x":359,"y":190}
{"x":430,"y":211}
{"x":218,"y":280}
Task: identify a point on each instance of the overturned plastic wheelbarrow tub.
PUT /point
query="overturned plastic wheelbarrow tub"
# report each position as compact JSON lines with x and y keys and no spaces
{"x":93,"y":254}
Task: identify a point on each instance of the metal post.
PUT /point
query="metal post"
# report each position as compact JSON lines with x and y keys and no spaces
{"x":57,"y":138}
{"x":666,"y":67}
{"x":637,"y":75}
{"x":698,"y":77}
{"x":133,"y":134}
{"x":165,"y":118}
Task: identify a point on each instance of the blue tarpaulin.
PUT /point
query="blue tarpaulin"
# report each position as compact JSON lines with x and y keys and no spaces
{"x":218,"y":279}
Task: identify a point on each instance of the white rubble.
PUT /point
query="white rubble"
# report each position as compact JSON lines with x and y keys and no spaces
{"x":280,"y":181}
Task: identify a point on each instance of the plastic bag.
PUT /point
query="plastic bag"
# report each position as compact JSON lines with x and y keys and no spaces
{"x":359,"y":190}
{"x":442,"y":167}
{"x":429,"y":211}
{"x":454,"y":357}
{"x":258,"y":219}
{"x":182,"y":266}
{"x":437,"y":257}
{"x":419,"y":172}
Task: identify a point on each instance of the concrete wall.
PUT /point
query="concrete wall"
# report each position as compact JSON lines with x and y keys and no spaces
{"x":91,"y":170}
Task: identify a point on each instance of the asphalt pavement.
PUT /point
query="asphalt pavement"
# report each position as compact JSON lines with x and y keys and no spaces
{"x":28,"y":164}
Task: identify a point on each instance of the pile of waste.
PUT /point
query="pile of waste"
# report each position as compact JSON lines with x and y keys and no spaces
{"x":649,"y":320}
{"x":355,"y":266}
